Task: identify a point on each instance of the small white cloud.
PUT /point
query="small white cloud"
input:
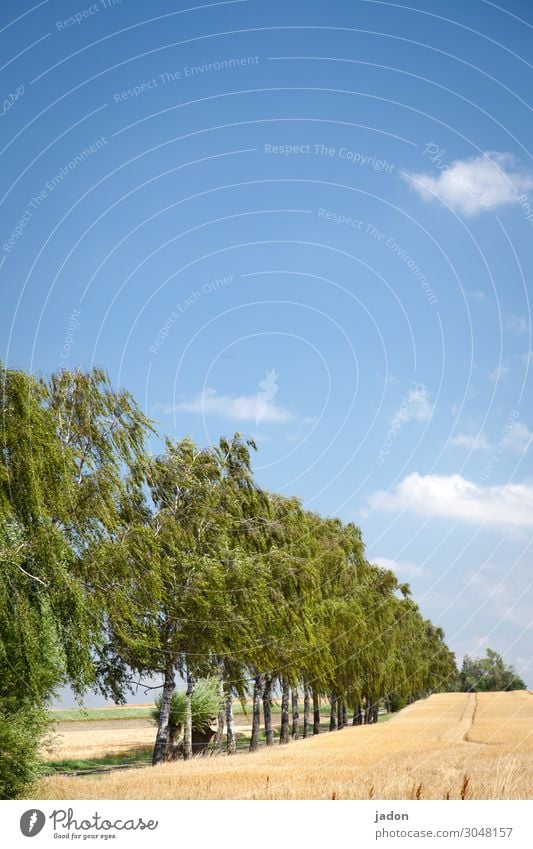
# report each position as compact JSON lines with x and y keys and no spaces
{"x":416,"y":406}
{"x":499,"y":373}
{"x":269,"y":389}
{"x":246,"y":408}
{"x":402,"y":568}
{"x":517,"y":437}
{"x":471,"y":186}
{"x":474,"y":294}
{"x":517,"y":325}
{"x":473,"y":442}
{"x":506,"y":506}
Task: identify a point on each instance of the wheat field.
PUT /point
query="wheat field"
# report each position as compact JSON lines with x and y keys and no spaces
{"x":449,"y":746}
{"x":93,"y":739}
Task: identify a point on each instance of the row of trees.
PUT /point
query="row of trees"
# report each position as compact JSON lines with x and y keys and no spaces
{"x":119,"y":566}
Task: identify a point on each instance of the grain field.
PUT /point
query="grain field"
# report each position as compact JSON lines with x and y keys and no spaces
{"x":452,"y":745}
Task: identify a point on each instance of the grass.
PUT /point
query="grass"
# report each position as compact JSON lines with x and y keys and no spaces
{"x":450,"y":746}
{"x":139,"y":756}
{"x":82,"y":714}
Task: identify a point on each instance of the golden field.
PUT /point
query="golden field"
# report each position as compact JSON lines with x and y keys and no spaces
{"x":76,"y":740}
{"x":451,"y":745}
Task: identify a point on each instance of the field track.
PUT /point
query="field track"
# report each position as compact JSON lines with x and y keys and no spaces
{"x":451,"y":745}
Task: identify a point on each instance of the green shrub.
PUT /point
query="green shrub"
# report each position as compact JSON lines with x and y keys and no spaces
{"x":397,"y":702}
{"x":206,"y":703}
{"x":21,"y":730}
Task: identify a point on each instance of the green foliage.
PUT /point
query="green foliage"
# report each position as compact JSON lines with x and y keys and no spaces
{"x":206,"y":703}
{"x":21,"y":731}
{"x":65,"y":444}
{"x":488,"y":674}
{"x":396,"y":702}
{"x":115,"y":564}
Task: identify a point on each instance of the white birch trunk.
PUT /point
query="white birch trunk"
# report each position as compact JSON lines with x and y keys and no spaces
{"x":187,"y":725}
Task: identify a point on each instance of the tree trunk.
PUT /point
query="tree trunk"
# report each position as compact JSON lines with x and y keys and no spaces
{"x":357,"y":715}
{"x":307,"y":709}
{"x":161,"y":740}
{"x":219,"y":733}
{"x":217,"y":740}
{"x":375,"y":713}
{"x":187,"y":722}
{"x":256,"y":712}
{"x":316,"y":713}
{"x":344,"y":715}
{"x":339,"y":714}
{"x":367,"y":712}
{"x":295,"y":730}
{"x":284,"y":730}
{"x":333,"y":714}
{"x":267,"y":710}
{"x":231,"y":742}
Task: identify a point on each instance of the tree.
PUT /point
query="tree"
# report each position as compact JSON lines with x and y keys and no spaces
{"x":63,"y":445}
{"x":174,"y":601}
{"x":488,"y":674}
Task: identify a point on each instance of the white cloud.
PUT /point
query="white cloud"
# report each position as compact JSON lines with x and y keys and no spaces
{"x":453,"y":497}
{"x":246,"y":408}
{"x":475,"y":441}
{"x":402,"y":568}
{"x":517,"y":325}
{"x":527,"y":358}
{"x":474,"y":294}
{"x":517,"y":437}
{"x":473,"y":185}
{"x":415,"y":406}
{"x":499,"y":373}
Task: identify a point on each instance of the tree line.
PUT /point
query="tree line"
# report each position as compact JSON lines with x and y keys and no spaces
{"x":488,"y":674}
{"x":118,"y":566}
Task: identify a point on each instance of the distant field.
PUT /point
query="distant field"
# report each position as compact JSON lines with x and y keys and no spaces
{"x":83,"y":714}
{"x":452,"y":745}
{"x":97,"y":714}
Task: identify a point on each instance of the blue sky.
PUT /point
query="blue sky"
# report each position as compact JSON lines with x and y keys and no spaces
{"x":311,"y":223}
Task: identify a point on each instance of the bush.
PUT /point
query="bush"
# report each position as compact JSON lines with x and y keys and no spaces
{"x":206,"y":703}
{"x":397,"y":702}
{"x":21,"y":730}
